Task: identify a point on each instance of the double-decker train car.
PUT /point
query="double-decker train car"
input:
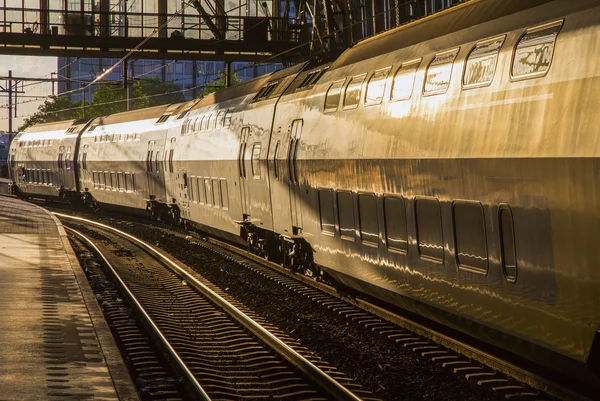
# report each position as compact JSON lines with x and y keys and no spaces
{"x":449,"y":166}
{"x":41,"y":161}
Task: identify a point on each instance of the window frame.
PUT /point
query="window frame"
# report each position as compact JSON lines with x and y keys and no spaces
{"x":464,"y":267}
{"x":339,"y":219}
{"x":367,"y":242}
{"x":475,"y":46}
{"x":456,"y":51}
{"x":333,"y":212}
{"x":341,"y":82}
{"x":360,"y":93}
{"x":423,"y":257}
{"x":407,"y":64}
{"x":381,"y":70}
{"x":537,"y":28}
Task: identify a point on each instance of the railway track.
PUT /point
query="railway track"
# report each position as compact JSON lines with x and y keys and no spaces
{"x":220,"y":350}
{"x":505,"y":379}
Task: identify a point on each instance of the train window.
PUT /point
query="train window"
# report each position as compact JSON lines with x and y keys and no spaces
{"x":470,"y":237}
{"x":395,"y":223}
{"x":192,"y":189}
{"x":404,"y":80}
{"x":95,"y":179}
{"x":216,"y":192}
{"x":202,"y":190}
{"x":197,"y":122}
{"x":345,"y":205}
{"x":353,"y":90}
{"x":439,"y":72}
{"x":113,"y":181}
{"x":220,"y":117}
{"x":49,"y":177}
{"x":332,"y":98}
{"x":326,"y":211}
{"x":481,"y":63}
{"x":534,"y":51}
{"x":171,"y":160}
{"x":60,"y":160}
{"x":227,"y":119}
{"x":210,"y":124}
{"x":256,"y":160}
{"x":107,"y":183}
{"x":138,"y":136}
{"x":195,"y":190}
{"x":184,"y":126}
{"x":156,"y":161}
{"x":429,"y":229}
{"x":36,"y":176}
{"x":376,"y":87}
{"x":68,"y":160}
{"x":132,"y":182}
{"x":120,"y":182}
{"x":367,"y":211}
{"x":127,"y":182}
{"x":207,"y":191}
{"x":101,"y":181}
{"x":224,"y":195}
{"x":507,"y":240}
{"x":202,"y":125}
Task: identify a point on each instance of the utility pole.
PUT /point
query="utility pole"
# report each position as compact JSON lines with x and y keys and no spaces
{"x":10,"y":106}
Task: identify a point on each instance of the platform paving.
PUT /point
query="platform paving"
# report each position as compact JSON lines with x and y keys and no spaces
{"x":54,"y":342}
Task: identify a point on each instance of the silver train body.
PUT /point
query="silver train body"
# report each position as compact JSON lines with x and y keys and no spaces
{"x":449,"y":167}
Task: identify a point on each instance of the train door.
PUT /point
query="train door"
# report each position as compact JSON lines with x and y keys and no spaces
{"x":294,"y":188}
{"x":243,"y":170}
{"x":150,"y":168}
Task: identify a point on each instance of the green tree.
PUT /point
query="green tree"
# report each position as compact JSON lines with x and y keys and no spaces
{"x":55,"y":109}
{"x":219,"y":83}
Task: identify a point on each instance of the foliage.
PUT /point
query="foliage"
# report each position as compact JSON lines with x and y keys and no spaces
{"x":219,"y":83}
{"x":55,"y":109}
{"x":108,"y":99}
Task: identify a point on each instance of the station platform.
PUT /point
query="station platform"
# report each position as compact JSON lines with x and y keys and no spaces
{"x":54,"y":341}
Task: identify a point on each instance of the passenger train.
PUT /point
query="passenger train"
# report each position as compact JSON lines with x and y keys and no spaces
{"x":450,"y":166}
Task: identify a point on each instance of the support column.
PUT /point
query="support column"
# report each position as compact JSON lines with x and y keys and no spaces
{"x":227,"y":74}
{"x":44,"y":17}
{"x":10,"y":105}
{"x":162,"y":18}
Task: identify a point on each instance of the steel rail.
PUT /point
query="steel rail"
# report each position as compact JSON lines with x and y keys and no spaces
{"x":197,"y":387}
{"x":327,"y":383}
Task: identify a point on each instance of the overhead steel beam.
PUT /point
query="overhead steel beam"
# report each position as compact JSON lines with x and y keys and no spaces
{"x":218,"y":32}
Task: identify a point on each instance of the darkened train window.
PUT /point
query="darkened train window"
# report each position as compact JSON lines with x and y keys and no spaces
{"x":132,"y":182}
{"x":439,"y":72}
{"x":367,"y":211}
{"x":470,"y":237}
{"x":376,"y":87}
{"x":107,"y":182}
{"x":200,"y":189}
{"x":216,"y":193}
{"x":207,"y":192}
{"x":255,"y":160}
{"x":95,"y":179}
{"x":326,"y":211}
{"x":395,"y":223}
{"x":353,"y":90}
{"x":507,"y":238}
{"x":127,"y":182}
{"x":113,"y":181}
{"x":332,"y":99}
{"x":404,"y":80}
{"x":346,"y":215}
{"x":481,"y":63}
{"x":224,"y":195}
{"x":534,"y":51}
{"x":192,"y":189}
{"x":429,"y":229}
{"x":120,"y":181}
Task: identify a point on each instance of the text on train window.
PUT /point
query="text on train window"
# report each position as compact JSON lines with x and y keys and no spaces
{"x":470,"y":237}
{"x":507,"y":238}
{"x":376,"y":87}
{"x":404,"y":80}
{"x":345,"y":205}
{"x":332,"y":99}
{"x":429,"y":229}
{"x":534,"y":51}
{"x":367,"y":211}
{"x":481,"y":63}
{"x":353,"y":90}
{"x":326,"y":211}
{"x":395,"y":223}
{"x":439,"y":72}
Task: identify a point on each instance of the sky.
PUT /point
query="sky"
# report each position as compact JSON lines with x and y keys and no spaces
{"x":25,"y":66}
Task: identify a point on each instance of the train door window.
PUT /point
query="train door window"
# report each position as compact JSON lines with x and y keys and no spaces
{"x":404,"y":80}
{"x":332,"y":98}
{"x":202,"y":189}
{"x":345,"y":205}
{"x":113,"y":181}
{"x":219,"y":120}
{"x":227,"y":118}
{"x":439,"y":72}
{"x":367,"y":211}
{"x":224,"y":195}
{"x":60,"y":160}
{"x":395,"y":224}
{"x":326,"y":212}
{"x":534,"y":51}
{"x":507,"y":240}
{"x":120,"y":181}
{"x":216,"y":193}
{"x":429,"y":229}
{"x":481,"y":63}
{"x":150,"y":156}
{"x":171,"y":170}
{"x":156,"y":161}
{"x":68,"y":159}
{"x":207,"y":191}
{"x":376,"y":87}
{"x":470,"y":237}
{"x":256,"y":160}
{"x":353,"y":91}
